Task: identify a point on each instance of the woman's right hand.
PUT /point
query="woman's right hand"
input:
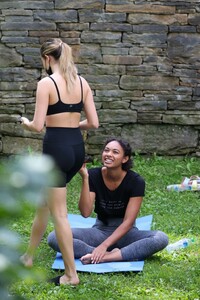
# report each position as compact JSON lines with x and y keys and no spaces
{"x":83,"y":171}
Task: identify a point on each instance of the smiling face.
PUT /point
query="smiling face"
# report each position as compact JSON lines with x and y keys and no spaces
{"x":113,"y":155}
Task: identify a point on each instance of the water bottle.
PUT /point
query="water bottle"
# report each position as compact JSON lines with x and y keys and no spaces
{"x":183,"y":243}
{"x":188,"y":184}
{"x":179,"y":187}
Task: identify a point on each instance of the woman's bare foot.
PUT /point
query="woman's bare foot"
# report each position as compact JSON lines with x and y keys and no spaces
{"x":65,"y":280}
{"x":70,"y":281}
{"x":27,"y":260}
{"x":87,"y":259}
{"x":114,"y":250}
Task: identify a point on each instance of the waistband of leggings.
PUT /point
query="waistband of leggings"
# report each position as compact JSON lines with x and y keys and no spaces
{"x":110,"y":222}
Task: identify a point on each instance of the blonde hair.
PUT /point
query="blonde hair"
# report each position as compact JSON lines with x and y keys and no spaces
{"x":61,"y":52}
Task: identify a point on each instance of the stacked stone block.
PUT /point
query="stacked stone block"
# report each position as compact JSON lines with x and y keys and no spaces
{"x":141,"y":58}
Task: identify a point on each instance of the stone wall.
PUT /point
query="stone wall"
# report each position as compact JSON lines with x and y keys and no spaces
{"x":141,"y":58}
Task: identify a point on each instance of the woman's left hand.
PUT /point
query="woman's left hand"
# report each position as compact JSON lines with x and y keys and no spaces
{"x":25,"y":122}
{"x":98,"y":254}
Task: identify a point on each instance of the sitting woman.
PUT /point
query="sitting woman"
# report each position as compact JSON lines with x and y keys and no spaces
{"x":116,"y":193}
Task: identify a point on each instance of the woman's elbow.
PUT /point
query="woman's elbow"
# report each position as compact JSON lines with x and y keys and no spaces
{"x":95,"y":124}
{"x":85,"y":214}
{"x":39,"y":129}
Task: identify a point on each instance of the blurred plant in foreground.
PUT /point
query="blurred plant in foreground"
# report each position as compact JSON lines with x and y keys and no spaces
{"x":23,"y":181}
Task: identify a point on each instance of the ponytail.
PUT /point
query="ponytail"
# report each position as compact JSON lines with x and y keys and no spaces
{"x":67,"y":67}
{"x":61,"y":52}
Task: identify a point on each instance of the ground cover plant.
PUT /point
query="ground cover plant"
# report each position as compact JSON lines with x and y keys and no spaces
{"x":166,"y":275}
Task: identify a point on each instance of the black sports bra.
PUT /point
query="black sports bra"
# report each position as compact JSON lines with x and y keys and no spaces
{"x":61,"y":107}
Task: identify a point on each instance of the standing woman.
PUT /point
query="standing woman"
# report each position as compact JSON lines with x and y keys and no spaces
{"x":60,"y":98}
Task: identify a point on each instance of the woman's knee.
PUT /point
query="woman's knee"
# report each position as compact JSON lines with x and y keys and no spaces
{"x":162,"y":238}
{"x":52,"y":241}
{"x":59,"y":220}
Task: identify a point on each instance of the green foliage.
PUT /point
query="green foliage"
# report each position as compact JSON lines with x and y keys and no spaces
{"x":166,"y":275}
{"x":22,"y":181}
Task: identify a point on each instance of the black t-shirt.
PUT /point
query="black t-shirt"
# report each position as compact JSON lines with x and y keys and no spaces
{"x":112,"y":204}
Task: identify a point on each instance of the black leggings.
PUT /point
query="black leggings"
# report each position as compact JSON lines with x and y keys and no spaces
{"x":66,"y":147}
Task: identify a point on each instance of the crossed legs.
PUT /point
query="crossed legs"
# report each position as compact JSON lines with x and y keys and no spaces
{"x":135,"y":245}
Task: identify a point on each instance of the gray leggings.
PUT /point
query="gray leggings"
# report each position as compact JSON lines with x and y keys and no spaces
{"x":134,"y":245}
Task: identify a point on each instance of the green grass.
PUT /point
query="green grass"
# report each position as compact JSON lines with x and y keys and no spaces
{"x":166,"y":275}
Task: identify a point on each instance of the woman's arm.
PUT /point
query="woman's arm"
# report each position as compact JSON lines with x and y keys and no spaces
{"x":91,"y":120}
{"x":132,"y":211}
{"x":42,"y":101}
{"x":87,"y":198}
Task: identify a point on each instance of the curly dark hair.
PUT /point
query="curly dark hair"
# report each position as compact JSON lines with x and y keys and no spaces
{"x":127,"y":151}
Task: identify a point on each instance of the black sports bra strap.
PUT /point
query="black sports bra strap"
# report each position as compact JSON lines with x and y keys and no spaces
{"x":81,"y":88}
{"x":56,"y":88}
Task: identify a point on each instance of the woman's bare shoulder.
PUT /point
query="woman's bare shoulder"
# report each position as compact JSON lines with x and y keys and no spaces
{"x":84,"y":81}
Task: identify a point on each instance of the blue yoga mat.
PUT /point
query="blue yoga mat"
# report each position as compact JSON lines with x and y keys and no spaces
{"x":143,"y":223}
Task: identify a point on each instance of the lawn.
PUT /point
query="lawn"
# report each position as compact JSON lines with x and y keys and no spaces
{"x":166,"y":275}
